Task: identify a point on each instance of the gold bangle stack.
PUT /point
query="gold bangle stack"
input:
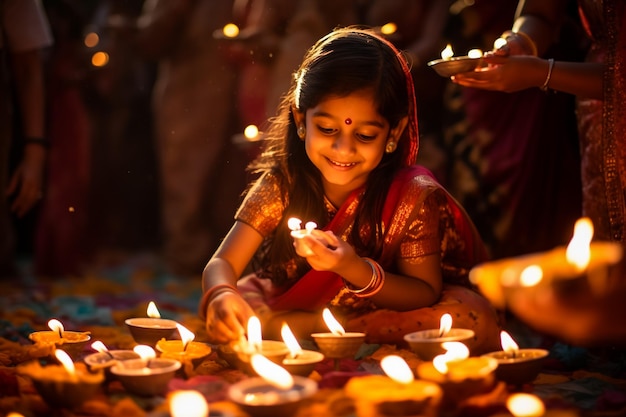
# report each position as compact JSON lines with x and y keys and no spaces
{"x":376,"y":281}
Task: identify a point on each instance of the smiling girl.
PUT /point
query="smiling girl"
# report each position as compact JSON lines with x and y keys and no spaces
{"x":393,"y":248}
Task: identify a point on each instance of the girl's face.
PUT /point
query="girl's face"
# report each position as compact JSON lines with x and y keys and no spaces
{"x":346,"y":139}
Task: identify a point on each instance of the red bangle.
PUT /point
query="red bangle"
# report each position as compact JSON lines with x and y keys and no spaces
{"x":210,"y":294}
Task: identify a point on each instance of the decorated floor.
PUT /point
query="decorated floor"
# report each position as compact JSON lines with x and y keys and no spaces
{"x":573,"y":381}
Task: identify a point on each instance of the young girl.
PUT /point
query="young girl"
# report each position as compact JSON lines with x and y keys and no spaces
{"x":393,"y":248}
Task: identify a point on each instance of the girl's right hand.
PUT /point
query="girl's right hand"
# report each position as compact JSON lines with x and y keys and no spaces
{"x":226,"y":317}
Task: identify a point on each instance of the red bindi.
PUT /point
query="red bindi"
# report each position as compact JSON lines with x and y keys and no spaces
{"x":348,"y":121}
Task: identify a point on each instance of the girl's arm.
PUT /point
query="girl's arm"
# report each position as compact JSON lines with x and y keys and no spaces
{"x":226,"y":311}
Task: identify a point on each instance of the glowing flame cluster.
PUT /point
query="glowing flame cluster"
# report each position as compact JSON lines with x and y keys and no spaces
{"x":455,"y":351}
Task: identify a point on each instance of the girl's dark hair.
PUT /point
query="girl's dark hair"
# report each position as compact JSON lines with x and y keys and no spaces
{"x":342,"y":62}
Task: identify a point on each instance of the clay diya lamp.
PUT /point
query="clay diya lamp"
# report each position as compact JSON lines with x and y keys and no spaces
{"x":298,"y":361}
{"x":67,"y":385}
{"x":337,"y":344}
{"x":295,"y":225}
{"x":188,"y":403}
{"x":428,"y":343}
{"x":149,"y":330}
{"x":147,"y":376}
{"x":459,"y":375}
{"x":57,"y":337}
{"x":581,"y":263}
{"x":397,"y":393}
{"x":275,"y":393}
{"x":517,"y":366}
{"x":185,"y":350}
{"x":104,"y":358}
{"x":240,"y":352}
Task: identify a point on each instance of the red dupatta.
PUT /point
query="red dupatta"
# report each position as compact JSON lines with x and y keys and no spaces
{"x":315,"y":289}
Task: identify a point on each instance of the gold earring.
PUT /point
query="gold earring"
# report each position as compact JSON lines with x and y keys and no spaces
{"x":391,"y":146}
{"x":301,"y":131}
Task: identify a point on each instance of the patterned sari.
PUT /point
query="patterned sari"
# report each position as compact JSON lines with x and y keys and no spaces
{"x":419,"y":218}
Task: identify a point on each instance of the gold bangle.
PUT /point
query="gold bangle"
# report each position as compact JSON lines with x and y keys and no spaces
{"x":210,"y":294}
{"x":544,"y":87}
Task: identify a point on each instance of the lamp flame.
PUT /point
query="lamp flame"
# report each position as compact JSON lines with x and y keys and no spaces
{"x":145,"y":352}
{"x":310,"y":226}
{"x":397,"y":369}
{"x":525,"y":405}
{"x":508,"y":344}
{"x":445,"y":324}
{"x":531,"y":276}
{"x":290,"y":340}
{"x":333,"y":325}
{"x":56,"y":326}
{"x":447,"y":52}
{"x":455,"y":351}
{"x":99,"y":347}
{"x":66,"y":361}
{"x":271,"y":372}
{"x":578,"y":250}
{"x":294,"y":223}
{"x":188,"y":403}
{"x":230,"y":30}
{"x":251,"y":133}
{"x":475,"y":53}
{"x":389,"y":28}
{"x":255,"y":338}
{"x":153,"y":311}
{"x":186,"y":336}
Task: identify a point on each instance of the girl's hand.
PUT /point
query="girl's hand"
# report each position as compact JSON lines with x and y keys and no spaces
{"x":227,"y":317}
{"x":326,"y":252}
{"x":508,"y":74}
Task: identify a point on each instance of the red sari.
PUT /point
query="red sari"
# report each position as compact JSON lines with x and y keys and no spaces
{"x":419,"y":218}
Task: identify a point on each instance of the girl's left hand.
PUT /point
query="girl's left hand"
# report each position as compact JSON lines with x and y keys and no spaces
{"x":326,"y":251}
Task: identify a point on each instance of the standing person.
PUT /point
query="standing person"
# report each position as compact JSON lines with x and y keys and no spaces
{"x":194,"y":112}
{"x":24,"y":35}
{"x":599,"y":84}
{"x":393,"y":249}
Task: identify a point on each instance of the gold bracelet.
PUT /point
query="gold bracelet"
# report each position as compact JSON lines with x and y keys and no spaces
{"x":208,"y":296}
{"x":544,"y":87}
{"x":376,"y":281}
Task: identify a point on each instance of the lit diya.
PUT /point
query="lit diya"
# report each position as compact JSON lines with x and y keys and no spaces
{"x":582,"y":261}
{"x":298,"y":361}
{"x":147,"y":376}
{"x":105,"y":358}
{"x":427,"y":344}
{"x":450,"y":65}
{"x":274,"y":393}
{"x":67,"y":385}
{"x":298,"y":233}
{"x":185,"y":350}
{"x":188,"y":403}
{"x":396,"y":394}
{"x":337,"y":344}
{"x":459,"y":375}
{"x":517,"y":366}
{"x":151,"y":329}
{"x":57,"y":337}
